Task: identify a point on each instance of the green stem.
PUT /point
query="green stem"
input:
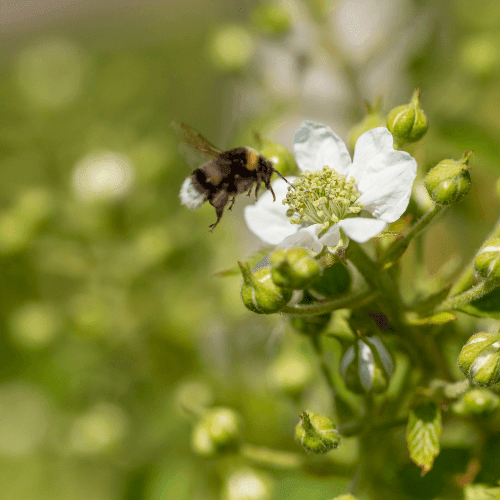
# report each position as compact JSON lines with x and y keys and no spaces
{"x":470,"y":295}
{"x":467,"y":277}
{"x":376,"y":278}
{"x":396,"y":250}
{"x":274,"y":459}
{"x":393,"y":308}
{"x":318,"y":348}
{"x":348,"y":301}
{"x":285,"y":460}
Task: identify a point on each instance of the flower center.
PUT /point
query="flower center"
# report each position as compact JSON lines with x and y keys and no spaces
{"x":323,"y":197}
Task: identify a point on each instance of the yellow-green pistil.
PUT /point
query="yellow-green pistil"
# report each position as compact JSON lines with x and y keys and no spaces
{"x":323,"y":197}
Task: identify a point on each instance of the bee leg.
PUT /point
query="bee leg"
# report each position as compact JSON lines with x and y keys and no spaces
{"x":271,"y":189}
{"x":232,"y":202}
{"x":249,"y":191}
{"x":219,"y":201}
{"x":257,"y":187}
{"x":218,"y":212}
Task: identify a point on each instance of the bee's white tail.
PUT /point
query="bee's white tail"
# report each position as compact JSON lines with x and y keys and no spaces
{"x":190,"y":197}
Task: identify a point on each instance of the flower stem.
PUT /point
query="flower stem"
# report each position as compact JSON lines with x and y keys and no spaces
{"x":370,"y":271}
{"x":271,"y":458}
{"x":396,"y":250}
{"x":466,"y":278}
{"x":318,"y":348}
{"x":347,"y":301}
{"x":470,"y":295}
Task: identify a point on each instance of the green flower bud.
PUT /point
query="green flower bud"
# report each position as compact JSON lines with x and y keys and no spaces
{"x":230,"y":48}
{"x":481,"y":402}
{"x":310,"y":325}
{"x":487,"y":260}
{"x":408,"y":123}
{"x":373,"y":119}
{"x":259,"y":292}
{"x":218,"y":431}
{"x":449,"y":181}
{"x":479,"y":359}
{"x":316,"y":433}
{"x":366,"y":366}
{"x":293,"y":268}
{"x":271,"y":19}
{"x":282,"y":159}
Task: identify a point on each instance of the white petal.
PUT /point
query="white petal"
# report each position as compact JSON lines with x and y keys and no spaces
{"x":361,"y":229}
{"x":368,"y":146}
{"x":267,"y":219}
{"x":316,"y":145}
{"x":331,"y":237}
{"x":386,"y":185}
{"x":306,"y":237}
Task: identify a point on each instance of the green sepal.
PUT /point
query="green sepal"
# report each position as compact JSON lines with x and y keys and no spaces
{"x":488,"y":306}
{"x":422,"y":434}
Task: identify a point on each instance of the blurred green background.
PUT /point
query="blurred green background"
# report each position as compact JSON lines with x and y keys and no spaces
{"x":112,"y":321}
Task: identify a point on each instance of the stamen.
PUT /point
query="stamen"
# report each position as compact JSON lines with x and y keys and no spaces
{"x":323,"y":197}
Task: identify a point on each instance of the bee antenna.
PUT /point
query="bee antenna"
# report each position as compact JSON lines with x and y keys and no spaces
{"x":283,"y":177}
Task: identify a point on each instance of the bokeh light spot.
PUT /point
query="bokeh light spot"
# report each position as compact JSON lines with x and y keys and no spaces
{"x":99,"y":429}
{"x":356,"y":23}
{"x":103,"y":175}
{"x":51,"y":73}
{"x":35,"y":324}
{"x":231,"y":47}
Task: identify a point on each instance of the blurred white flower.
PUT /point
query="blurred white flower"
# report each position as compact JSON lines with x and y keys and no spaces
{"x":328,"y":199}
{"x":103,"y":175}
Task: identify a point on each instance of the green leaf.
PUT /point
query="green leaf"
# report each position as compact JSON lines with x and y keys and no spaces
{"x":335,"y":279}
{"x":487,"y":306}
{"x":481,"y":492}
{"x":422,"y":434}
{"x":437,"y":319}
{"x":252,"y":261}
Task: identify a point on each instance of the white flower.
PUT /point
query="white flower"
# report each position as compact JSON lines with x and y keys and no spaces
{"x":326,"y":201}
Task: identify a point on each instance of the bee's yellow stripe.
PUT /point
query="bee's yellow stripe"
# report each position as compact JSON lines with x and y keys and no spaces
{"x":252,"y":159}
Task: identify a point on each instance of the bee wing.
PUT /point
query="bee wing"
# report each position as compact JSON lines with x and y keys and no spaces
{"x":193,"y":146}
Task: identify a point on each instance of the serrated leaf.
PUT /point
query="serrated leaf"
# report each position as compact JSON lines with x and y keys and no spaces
{"x":481,"y":492}
{"x":422,"y":434}
{"x":252,"y":261}
{"x":437,"y":319}
{"x":487,"y":306}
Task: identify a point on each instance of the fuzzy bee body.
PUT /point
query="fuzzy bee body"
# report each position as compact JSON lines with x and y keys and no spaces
{"x":225,"y":175}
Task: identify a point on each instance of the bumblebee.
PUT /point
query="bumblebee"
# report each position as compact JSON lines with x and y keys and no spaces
{"x":221,"y":175}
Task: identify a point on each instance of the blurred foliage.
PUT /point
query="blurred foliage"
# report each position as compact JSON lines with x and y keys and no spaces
{"x":112,"y":322}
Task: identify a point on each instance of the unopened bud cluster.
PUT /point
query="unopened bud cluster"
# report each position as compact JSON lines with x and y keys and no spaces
{"x":269,"y":289}
{"x":366,"y":366}
{"x":259,"y":292}
{"x":487,"y":260}
{"x":316,"y":433}
{"x":408,"y":123}
{"x":479,"y":359}
{"x":449,"y":181}
{"x":219,"y":430}
{"x":293,"y":268}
